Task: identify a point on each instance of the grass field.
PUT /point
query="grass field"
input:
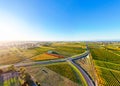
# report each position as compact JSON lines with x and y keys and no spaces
{"x":69,"y":49}
{"x":14,"y":54}
{"x":9,"y":57}
{"x":107,"y":64}
{"x":13,"y":81}
{"x":118,"y":52}
{"x":56,"y":74}
{"x":66,"y":50}
{"x":111,"y":77}
{"x":104,"y":55}
{"x":64,"y":69}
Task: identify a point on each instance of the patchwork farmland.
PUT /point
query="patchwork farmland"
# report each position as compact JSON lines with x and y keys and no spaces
{"x":38,"y":64}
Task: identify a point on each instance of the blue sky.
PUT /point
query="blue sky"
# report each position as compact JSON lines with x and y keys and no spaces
{"x":56,"y":20}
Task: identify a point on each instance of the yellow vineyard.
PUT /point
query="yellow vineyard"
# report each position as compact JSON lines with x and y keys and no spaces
{"x":44,"y":57}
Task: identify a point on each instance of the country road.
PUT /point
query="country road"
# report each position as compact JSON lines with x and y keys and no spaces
{"x":70,"y":59}
{"x":87,"y":78}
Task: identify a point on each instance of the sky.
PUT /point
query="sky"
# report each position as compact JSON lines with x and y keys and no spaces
{"x":59,"y":20}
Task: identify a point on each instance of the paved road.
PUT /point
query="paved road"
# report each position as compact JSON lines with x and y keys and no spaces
{"x":71,"y":59}
{"x":47,"y":62}
{"x":33,"y":63}
{"x":87,"y":78}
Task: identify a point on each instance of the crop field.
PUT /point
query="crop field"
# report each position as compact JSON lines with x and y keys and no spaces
{"x":64,"y":69}
{"x":66,"y":50}
{"x":69,"y":49}
{"x":111,"y":77}
{"x":9,"y":57}
{"x":72,"y":44}
{"x":14,"y":54}
{"x":104,"y":55}
{"x":117,"y":52}
{"x":10,"y":82}
{"x":113,"y":48}
{"x":56,"y":74}
{"x":31,"y":52}
{"x":43,"y":57}
{"x":107,"y":64}
{"x":9,"y":79}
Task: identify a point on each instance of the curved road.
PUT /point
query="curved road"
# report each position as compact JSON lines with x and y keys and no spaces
{"x":86,"y":77}
{"x":70,"y":59}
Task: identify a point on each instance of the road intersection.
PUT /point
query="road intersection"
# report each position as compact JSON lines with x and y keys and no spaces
{"x":69,"y":59}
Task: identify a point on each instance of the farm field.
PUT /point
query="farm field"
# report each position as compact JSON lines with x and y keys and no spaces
{"x":118,"y":52}
{"x":9,"y":79}
{"x":66,"y":49}
{"x":44,"y":73}
{"x":105,"y":56}
{"x":9,"y":56}
{"x":65,"y":77}
{"x":15,"y":54}
{"x":66,"y":70}
{"x":107,"y":64}
{"x":10,"y":82}
{"x":43,"y":57}
{"x":69,"y":49}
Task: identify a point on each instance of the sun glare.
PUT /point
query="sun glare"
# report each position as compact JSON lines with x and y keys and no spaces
{"x":10,"y":28}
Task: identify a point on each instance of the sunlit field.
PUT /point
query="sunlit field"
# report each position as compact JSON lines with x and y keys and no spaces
{"x":102,"y":65}
{"x":17,"y":54}
{"x":44,"y":57}
{"x":61,"y":74}
{"x":25,"y":53}
{"x":107,"y":60}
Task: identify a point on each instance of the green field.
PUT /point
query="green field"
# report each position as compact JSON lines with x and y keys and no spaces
{"x":104,"y":55}
{"x":14,"y":54}
{"x":67,"y":49}
{"x":55,"y":74}
{"x":107,"y":64}
{"x":65,"y":70}
{"x":10,"y":82}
